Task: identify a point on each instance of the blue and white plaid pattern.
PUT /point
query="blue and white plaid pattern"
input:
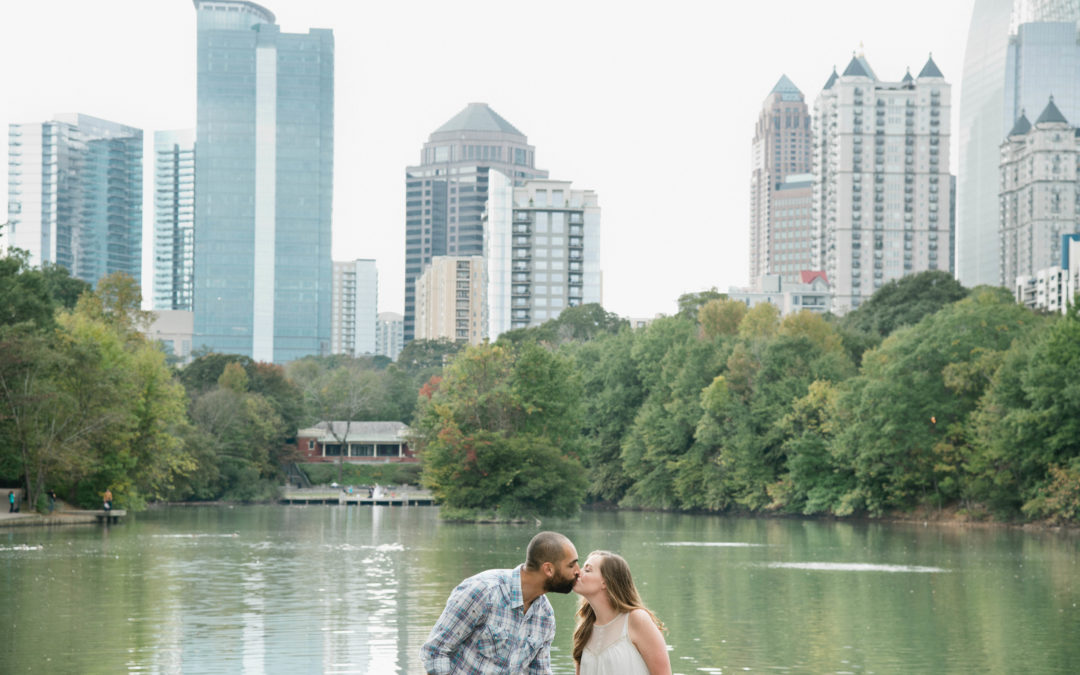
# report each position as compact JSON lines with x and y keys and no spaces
{"x":483,"y":630}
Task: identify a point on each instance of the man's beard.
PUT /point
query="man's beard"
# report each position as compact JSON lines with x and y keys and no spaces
{"x":559,"y":584}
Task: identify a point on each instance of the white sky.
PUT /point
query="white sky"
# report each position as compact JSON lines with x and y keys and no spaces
{"x":652,"y":105}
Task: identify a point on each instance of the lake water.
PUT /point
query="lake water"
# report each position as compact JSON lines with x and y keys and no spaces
{"x":335,"y":589}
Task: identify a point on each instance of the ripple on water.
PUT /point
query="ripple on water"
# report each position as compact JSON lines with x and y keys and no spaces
{"x":854,"y":567}
{"x":718,"y":544}
{"x":22,"y":547}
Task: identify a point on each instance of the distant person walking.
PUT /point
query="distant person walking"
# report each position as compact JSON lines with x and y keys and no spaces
{"x":52,"y":500}
{"x":11,"y":501}
{"x":107,"y":497}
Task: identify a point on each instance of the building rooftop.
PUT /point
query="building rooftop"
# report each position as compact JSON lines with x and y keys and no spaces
{"x":787,"y":89}
{"x":930,"y":69}
{"x":832,"y":79}
{"x":359,"y":431}
{"x":478,"y":117}
{"x":859,"y":67}
{"x":1051,"y":114}
{"x":1022,"y":125}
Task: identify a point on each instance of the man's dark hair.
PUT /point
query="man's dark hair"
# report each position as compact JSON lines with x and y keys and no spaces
{"x":545,"y":547}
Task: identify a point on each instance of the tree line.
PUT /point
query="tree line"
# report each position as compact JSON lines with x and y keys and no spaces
{"x":928,"y":396}
{"x":89,"y":403}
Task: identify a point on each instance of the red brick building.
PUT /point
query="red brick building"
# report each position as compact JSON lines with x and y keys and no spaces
{"x":355,"y":442}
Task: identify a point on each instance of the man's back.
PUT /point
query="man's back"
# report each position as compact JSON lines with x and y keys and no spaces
{"x":484,"y":629}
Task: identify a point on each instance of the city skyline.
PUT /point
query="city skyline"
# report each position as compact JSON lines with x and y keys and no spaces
{"x":673,"y":114}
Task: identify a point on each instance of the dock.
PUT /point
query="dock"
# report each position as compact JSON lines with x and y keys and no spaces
{"x":337,"y":497}
{"x":65,"y":517}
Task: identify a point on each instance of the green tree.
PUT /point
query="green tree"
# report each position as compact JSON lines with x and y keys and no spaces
{"x":691,"y":303}
{"x":1027,"y":428}
{"x":905,"y":302}
{"x":343,"y":390}
{"x":904,"y":436}
{"x":500,"y":433}
{"x":612,"y":395}
{"x":721,"y":317}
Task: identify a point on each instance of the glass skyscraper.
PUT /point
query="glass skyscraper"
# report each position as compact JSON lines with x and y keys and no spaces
{"x":75,"y":195}
{"x":446,"y":193}
{"x":265,"y":152}
{"x":1019,"y":53}
{"x":174,"y":218}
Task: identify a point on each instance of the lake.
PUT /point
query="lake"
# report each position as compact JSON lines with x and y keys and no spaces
{"x":355,"y":589}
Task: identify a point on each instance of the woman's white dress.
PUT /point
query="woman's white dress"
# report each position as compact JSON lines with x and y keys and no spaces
{"x":610,"y":651}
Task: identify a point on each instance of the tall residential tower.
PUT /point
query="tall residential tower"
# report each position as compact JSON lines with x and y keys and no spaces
{"x":264,"y":147}
{"x":882,"y":189}
{"x":445,"y":194}
{"x":542,"y":247}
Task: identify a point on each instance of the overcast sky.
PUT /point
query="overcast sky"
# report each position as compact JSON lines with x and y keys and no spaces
{"x":652,"y":105}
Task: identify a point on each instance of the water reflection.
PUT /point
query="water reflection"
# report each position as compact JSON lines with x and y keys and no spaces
{"x":356,"y":589}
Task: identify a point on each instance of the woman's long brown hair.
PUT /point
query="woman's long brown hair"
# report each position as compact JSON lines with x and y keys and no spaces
{"x":621,"y":592}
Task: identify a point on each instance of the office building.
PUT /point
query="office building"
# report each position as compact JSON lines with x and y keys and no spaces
{"x":355,"y":307}
{"x":389,"y":334}
{"x":542,"y":246}
{"x":173,"y":329}
{"x":450,"y":300}
{"x":75,"y":195}
{"x":810,"y":292}
{"x":1019,"y":53}
{"x":1039,"y":184}
{"x":782,"y":149}
{"x":445,"y":194}
{"x":174,"y":219}
{"x":882,"y":191}
{"x":264,"y":147}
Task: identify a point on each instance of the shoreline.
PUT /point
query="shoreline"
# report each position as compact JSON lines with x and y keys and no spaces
{"x":949,"y":517}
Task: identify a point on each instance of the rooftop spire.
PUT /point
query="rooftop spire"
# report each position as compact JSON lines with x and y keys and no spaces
{"x":930,"y":69}
{"x":1051,"y":114}
{"x":1022,"y":125}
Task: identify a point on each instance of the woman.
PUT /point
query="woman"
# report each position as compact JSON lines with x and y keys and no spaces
{"x":616,"y":634}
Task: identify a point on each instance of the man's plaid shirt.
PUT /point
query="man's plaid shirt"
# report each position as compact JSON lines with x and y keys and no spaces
{"x":484,"y":630}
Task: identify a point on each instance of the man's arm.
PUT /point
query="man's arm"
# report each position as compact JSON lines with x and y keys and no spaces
{"x":541,"y":663}
{"x":464,"y":611}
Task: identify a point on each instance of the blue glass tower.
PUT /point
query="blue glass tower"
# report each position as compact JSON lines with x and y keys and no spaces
{"x":264,"y":149}
{"x":75,"y":195}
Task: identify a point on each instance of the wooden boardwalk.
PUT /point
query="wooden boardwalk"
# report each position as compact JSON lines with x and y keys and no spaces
{"x":341,"y":498}
{"x":58,"y":517}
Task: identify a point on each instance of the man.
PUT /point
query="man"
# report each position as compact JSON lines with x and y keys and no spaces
{"x":500,"y":621}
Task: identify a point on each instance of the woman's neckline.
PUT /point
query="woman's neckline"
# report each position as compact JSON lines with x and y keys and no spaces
{"x":613,"y":620}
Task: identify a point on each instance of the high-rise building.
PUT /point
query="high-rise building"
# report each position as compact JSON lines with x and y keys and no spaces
{"x":542,"y":246}
{"x":355,"y":308}
{"x":174,"y":219}
{"x":75,"y":195}
{"x":1019,"y":52}
{"x":450,"y":300}
{"x":390,"y":334}
{"x":264,"y":147}
{"x":882,"y":189}
{"x":1039,"y":201}
{"x":791,"y":229}
{"x":783,"y":147}
{"x":445,"y":194}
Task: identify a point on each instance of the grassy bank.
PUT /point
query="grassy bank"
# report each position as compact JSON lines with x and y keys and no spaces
{"x":323,"y":473}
